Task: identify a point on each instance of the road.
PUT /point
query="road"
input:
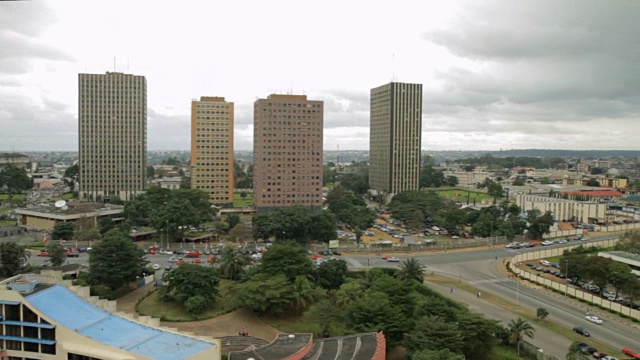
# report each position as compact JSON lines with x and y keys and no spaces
{"x":481,"y":269}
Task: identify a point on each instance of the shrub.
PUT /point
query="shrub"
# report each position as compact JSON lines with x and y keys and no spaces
{"x":195,"y":304}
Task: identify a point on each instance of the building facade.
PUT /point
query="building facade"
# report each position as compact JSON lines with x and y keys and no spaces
{"x":564,"y":210}
{"x":112,"y":129}
{"x":14,"y":159}
{"x":395,"y":138}
{"x":212,"y":148}
{"x":287,"y":152}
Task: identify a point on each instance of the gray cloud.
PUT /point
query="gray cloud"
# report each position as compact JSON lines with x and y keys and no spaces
{"x":543,"y":68}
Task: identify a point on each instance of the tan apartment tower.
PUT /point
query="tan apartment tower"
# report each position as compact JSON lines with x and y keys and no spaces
{"x":212,"y":148}
{"x":287,"y":152}
{"x":395,"y":138}
{"x":112,"y":131}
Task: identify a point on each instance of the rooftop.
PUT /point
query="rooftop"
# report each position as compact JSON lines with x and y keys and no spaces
{"x":72,"y":208}
{"x":71,"y":311}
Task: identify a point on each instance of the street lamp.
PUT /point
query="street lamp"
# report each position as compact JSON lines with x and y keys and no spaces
{"x":181,"y":228}
{"x":566,"y":286}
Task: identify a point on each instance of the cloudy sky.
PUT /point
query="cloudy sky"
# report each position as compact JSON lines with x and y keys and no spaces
{"x":496,"y":74}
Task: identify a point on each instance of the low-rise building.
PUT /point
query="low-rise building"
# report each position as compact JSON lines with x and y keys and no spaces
{"x":14,"y":159}
{"x":45,"y":216}
{"x":50,"y":322}
{"x":563,"y":209}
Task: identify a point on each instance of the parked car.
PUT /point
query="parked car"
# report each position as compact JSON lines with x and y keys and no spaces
{"x":594,"y":319}
{"x":335,"y":252}
{"x":582,"y":331}
{"x":197,"y":261}
{"x":608,"y":357}
{"x":73,"y":253}
{"x":547,"y":242}
{"x":174,"y":259}
{"x":43,"y":253}
{"x":598,"y":355}
{"x":545,"y":263}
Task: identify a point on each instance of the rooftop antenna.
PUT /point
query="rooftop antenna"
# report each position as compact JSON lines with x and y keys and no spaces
{"x":393,"y":72}
{"x":114,"y":64}
{"x":127,"y":64}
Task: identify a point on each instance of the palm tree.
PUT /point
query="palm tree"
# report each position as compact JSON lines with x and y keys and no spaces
{"x":518,"y":329}
{"x":232,"y":264}
{"x":302,"y":293}
{"x":411,"y":269}
{"x":349,"y":292}
{"x":575,"y":353}
{"x":369,"y":278}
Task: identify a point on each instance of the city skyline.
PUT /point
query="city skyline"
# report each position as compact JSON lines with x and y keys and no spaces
{"x":496,"y":75}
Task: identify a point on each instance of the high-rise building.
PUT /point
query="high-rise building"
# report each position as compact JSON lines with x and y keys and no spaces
{"x":395,"y":138}
{"x":287,"y":152}
{"x":212,"y":148}
{"x":112,"y":130}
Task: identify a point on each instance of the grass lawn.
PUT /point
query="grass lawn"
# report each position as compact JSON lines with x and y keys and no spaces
{"x":103,"y":292}
{"x":238,"y":201}
{"x":294,"y":324}
{"x":7,"y":222}
{"x":461,"y":195}
{"x":16,"y":197}
{"x":174,"y":311}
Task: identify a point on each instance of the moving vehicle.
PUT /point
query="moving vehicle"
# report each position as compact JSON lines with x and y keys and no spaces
{"x":634,"y":355}
{"x":594,"y":319}
{"x":393,"y":259}
{"x":582,"y":331}
{"x":192,"y":254}
{"x":43,"y":253}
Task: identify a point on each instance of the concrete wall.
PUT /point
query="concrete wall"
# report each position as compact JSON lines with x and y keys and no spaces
{"x":562,"y":286}
{"x":622,"y":227}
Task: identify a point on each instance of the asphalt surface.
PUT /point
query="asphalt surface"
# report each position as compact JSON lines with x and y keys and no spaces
{"x":480,"y":268}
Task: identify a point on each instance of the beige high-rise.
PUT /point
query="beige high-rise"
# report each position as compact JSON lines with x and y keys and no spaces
{"x":212,"y":148}
{"x":287,"y":152}
{"x":112,"y":130}
{"x":395,"y":138}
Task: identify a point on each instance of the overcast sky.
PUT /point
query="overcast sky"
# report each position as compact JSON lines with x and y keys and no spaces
{"x":496,"y":74}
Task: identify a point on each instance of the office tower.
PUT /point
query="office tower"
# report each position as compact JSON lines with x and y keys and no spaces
{"x":112,"y":130}
{"x":287,"y":152}
{"x":212,"y":148}
{"x":395,"y":138}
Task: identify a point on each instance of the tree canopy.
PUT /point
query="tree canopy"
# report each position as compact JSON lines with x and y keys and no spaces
{"x":297,"y":223}
{"x":288,"y":259}
{"x":13,"y":257}
{"x":115,"y":261}
{"x":191,"y":283}
{"x":15,"y":179}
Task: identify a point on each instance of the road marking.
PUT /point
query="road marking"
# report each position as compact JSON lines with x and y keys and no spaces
{"x":497,"y":280}
{"x":353,"y":262}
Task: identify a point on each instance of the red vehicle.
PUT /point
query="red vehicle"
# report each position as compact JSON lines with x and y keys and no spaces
{"x":73,"y":253}
{"x":192,"y":254}
{"x":197,"y":261}
{"x":43,"y":253}
{"x":629,"y":352}
{"x":180,"y":262}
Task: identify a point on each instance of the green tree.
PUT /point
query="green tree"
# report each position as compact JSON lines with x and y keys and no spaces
{"x":71,"y":176}
{"x":593,"y":182}
{"x":115,"y":261}
{"x":357,"y":182}
{"x":629,"y":242}
{"x":478,"y":335}
{"x":349,"y":292}
{"x":542,"y":313}
{"x":191,"y":280}
{"x":323,"y":226}
{"x":13,"y":257}
{"x":291,"y":223}
{"x":495,"y":190}
{"x":195,"y":304}
{"x":289,"y":259}
{"x":431,"y":178}
{"x":233,"y":263}
{"x":325,"y":315}
{"x":57,"y":255}
{"x":539,"y":224}
{"x":264,"y":293}
{"x":518,"y":329}
{"x":443,"y":354}
{"x":404,"y":204}
{"x":106,"y":224}
{"x":15,"y":179}
{"x":185,"y":182}
{"x":239,"y":232}
{"x":411,"y":269}
{"x":451,"y":181}
{"x":376,"y":312}
{"x":233,"y":219}
{"x":331,"y":274}
{"x":63,"y":231}
{"x":417,"y":219}
{"x":303,"y":293}
{"x":435,"y":333}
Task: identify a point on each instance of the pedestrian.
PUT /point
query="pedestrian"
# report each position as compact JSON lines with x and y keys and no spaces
{"x":451,"y":289}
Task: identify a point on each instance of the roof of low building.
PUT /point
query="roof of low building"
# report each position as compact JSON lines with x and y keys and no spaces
{"x":596,"y":193}
{"x":71,"y":311}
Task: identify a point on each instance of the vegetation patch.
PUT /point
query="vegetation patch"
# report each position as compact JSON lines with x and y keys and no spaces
{"x":240,"y":201}
{"x":463,"y":195}
{"x":167,"y":308}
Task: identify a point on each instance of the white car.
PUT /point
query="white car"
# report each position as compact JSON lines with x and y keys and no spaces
{"x":393,"y":259}
{"x":594,"y":319}
{"x":545,"y":263}
{"x":609,"y":358}
{"x":547,"y":242}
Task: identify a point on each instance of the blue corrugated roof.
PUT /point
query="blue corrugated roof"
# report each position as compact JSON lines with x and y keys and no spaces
{"x":71,"y":311}
{"x":26,"y":323}
{"x":26,"y":339}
